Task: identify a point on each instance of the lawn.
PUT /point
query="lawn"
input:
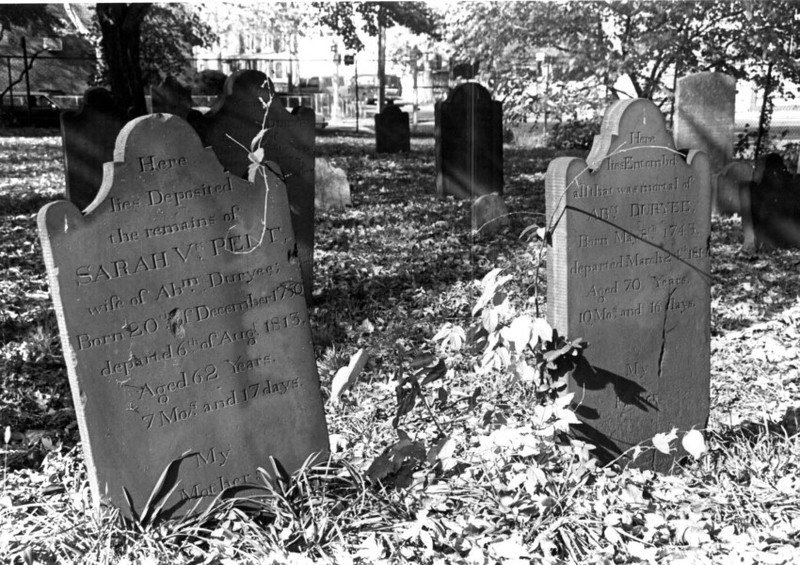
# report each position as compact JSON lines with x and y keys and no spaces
{"x":466,"y":462}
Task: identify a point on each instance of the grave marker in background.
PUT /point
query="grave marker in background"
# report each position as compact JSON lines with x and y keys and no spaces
{"x":239,"y":114}
{"x":469,"y":143}
{"x":728,"y":185}
{"x":171,"y":97}
{"x":489,"y":214}
{"x":392,"y":131}
{"x":88,"y":136}
{"x":628,"y":270}
{"x":771,"y":207}
{"x":704,"y":116}
{"x":182,"y":321}
{"x":332,"y":189}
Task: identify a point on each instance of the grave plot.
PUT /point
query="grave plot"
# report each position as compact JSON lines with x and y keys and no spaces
{"x":183,"y":323}
{"x":628,"y":270}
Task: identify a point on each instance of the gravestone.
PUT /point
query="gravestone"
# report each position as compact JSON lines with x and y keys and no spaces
{"x":171,"y":97}
{"x":469,"y":143}
{"x":728,"y":184}
{"x":628,"y":270}
{"x":392,"y":130}
{"x":489,"y":214}
{"x":237,"y":116}
{"x":771,"y":207}
{"x":183,"y":323}
{"x":704,"y":116}
{"x":332,"y":189}
{"x":88,"y":136}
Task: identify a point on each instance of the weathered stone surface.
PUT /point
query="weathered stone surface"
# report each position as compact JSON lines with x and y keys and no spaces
{"x":489,"y":214}
{"x":392,"y":131}
{"x":771,"y":207}
{"x":88,"y":136}
{"x":332,"y":189}
{"x":728,"y":184}
{"x":237,"y":116}
{"x":628,"y":270}
{"x":704,"y":116}
{"x":469,"y":143}
{"x":183,"y":322}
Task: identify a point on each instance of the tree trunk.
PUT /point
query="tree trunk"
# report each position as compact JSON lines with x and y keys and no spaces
{"x":766,"y":113}
{"x":120,"y":25}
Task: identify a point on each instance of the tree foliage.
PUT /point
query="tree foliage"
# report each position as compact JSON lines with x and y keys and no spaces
{"x":590,"y":45}
{"x":169,"y":31}
{"x":40,"y":19}
{"x":342,"y":18}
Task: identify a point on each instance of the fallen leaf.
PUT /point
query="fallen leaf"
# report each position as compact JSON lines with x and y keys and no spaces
{"x":694,"y":443}
{"x":346,"y":376}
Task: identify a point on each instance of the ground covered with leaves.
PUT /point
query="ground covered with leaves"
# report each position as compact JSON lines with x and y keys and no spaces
{"x":447,"y":446}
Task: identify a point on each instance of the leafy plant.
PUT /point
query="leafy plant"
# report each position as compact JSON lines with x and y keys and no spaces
{"x":573,"y":134}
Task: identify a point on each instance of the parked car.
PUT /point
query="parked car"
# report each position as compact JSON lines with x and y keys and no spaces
{"x":368,"y":86}
{"x":44,"y":111}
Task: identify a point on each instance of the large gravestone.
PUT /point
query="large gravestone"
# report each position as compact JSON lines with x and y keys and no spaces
{"x":392,"y":130}
{"x":236,"y":117}
{"x":469,"y":143}
{"x":88,"y":140}
{"x":183,"y":323}
{"x":771,"y":207}
{"x":628,"y":270}
{"x":704,"y":115}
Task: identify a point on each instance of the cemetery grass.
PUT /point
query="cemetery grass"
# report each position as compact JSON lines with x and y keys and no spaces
{"x":473,"y":465}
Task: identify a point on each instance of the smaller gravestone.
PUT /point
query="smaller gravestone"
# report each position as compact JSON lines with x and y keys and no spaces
{"x":392,"y":130}
{"x":730,"y":181}
{"x":183,"y":324}
{"x":771,"y":207}
{"x":489,"y":214}
{"x":704,"y":115}
{"x":469,"y":143}
{"x":88,"y":135}
{"x":236,"y":117}
{"x":332,"y":189}
{"x":171,"y":97}
{"x":628,"y":270}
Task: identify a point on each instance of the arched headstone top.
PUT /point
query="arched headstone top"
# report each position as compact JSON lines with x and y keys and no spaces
{"x":629,"y":124}
{"x":99,"y":99}
{"x":470,"y":91}
{"x":147,"y":134}
{"x":172,"y":97}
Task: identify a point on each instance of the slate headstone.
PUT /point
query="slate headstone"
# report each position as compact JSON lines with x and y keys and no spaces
{"x":237,"y":116}
{"x":469,"y":143}
{"x":489,"y":214}
{"x":183,"y":323}
{"x":88,"y":136}
{"x":731,"y":180}
{"x":704,"y":115}
{"x":628,"y":270}
{"x":332,"y":189}
{"x":392,"y":130}
{"x":771,"y":207}
{"x":171,"y":97}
